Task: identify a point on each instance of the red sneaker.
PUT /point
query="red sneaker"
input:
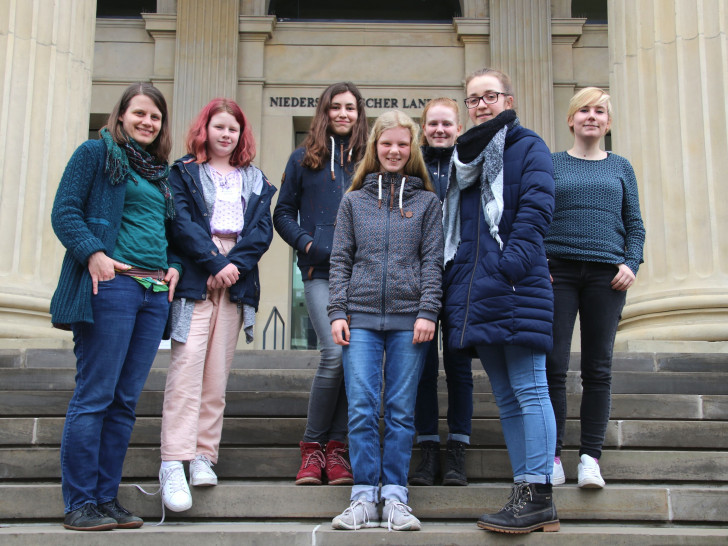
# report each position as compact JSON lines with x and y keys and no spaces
{"x":312,"y":464}
{"x":338,"y":469}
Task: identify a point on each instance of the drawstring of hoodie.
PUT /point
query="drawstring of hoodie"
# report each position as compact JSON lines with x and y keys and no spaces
{"x":380,"y":191}
{"x":333,"y":147}
{"x":401,"y":191}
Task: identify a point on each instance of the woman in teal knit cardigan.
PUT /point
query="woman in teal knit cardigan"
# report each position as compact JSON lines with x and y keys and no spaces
{"x":116,"y":282}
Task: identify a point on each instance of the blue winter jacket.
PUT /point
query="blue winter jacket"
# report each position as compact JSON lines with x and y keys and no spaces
{"x":495,"y":297}
{"x":438,"y":164}
{"x":192,"y":238}
{"x":312,"y":197}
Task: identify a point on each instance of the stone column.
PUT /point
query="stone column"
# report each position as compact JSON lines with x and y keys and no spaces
{"x":520,"y":46}
{"x":206,"y":60}
{"x":668,"y":82}
{"x":46,"y":55}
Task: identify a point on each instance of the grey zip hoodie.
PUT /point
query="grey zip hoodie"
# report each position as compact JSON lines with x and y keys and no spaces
{"x":386,"y":260}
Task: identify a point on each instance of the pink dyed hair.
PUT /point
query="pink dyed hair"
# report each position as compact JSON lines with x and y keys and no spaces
{"x":196,"y":143}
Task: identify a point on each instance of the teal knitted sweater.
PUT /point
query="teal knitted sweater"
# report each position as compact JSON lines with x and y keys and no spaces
{"x":86,"y":217}
{"x":597,"y":216}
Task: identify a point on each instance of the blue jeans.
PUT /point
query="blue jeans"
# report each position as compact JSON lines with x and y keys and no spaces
{"x":113,"y":358}
{"x":584,"y":287}
{"x":459,"y":377}
{"x":327,"y":401}
{"x":363,"y":377}
{"x":518,"y":378}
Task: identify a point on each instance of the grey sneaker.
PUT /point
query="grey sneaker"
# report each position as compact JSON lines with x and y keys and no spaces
{"x":397,"y":516}
{"x":201,"y":472}
{"x":360,"y":514}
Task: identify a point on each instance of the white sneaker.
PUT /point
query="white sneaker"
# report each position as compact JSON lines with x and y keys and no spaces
{"x":399,"y":517}
{"x":175,"y":493}
{"x":589,"y":474}
{"x":557,"y":476}
{"x":201,"y":473}
{"x":360,"y":514}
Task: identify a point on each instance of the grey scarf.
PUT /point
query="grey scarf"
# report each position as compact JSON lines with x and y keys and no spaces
{"x":487,"y":170}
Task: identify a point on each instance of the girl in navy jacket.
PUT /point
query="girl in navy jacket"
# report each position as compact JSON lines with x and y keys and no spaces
{"x":317,"y":176}
{"x":498,"y":301}
{"x":221,"y":229}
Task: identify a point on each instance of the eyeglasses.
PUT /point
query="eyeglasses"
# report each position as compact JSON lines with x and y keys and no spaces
{"x":489,"y":98}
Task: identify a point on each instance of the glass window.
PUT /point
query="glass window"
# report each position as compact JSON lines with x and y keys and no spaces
{"x":595,"y":11}
{"x":125,"y":8}
{"x":373,"y":10}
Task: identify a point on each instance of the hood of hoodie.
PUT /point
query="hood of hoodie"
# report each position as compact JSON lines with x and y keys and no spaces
{"x":430,"y":153}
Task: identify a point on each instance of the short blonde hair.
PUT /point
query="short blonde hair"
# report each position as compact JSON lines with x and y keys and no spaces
{"x":443,"y":101}
{"x":589,"y":96}
{"x":415,"y":165}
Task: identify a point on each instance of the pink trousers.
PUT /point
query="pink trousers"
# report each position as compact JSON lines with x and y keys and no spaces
{"x":194,"y":398}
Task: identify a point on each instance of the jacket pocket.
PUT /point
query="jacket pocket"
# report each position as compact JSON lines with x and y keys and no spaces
{"x":323,"y":240}
{"x":403,"y":288}
{"x":365,"y":289}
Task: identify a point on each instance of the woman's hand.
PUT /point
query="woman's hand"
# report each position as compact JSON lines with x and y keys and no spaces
{"x":224,"y":278}
{"x":623,"y":279}
{"x":424,"y":331}
{"x":101,"y":268}
{"x":171,"y":278}
{"x":340,"y":332}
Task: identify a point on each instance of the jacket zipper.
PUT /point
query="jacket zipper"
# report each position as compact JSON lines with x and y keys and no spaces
{"x":386,"y":255}
{"x":470,"y":285}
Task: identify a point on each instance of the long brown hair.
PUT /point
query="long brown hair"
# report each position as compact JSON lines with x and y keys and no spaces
{"x":316,"y":143}
{"x":162,"y":145}
{"x":415,"y":165}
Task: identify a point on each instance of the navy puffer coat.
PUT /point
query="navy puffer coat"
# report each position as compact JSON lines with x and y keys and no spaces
{"x":495,"y":297}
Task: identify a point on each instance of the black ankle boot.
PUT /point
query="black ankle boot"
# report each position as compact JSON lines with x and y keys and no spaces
{"x":531,"y":508}
{"x":429,"y":466}
{"x":455,"y":464}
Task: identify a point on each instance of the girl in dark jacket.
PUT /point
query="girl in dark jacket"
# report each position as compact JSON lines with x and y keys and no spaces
{"x":221,"y":229}
{"x":498,"y":298}
{"x":440,"y":128}
{"x":114,"y":291}
{"x":316,"y":177}
{"x":386,"y":276}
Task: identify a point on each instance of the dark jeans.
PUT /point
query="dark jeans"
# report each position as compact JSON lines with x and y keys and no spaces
{"x":459,"y":377}
{"x":584,"y":287}
{"x":113,"y":358}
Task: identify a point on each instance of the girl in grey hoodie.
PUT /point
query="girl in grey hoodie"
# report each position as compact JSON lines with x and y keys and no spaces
{"x":385,"y":290}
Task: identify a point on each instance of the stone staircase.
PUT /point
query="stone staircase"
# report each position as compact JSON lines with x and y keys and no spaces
{"x":665,"y":461}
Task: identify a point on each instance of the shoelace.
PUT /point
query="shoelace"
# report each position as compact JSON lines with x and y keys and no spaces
{"x":352,"y":509}
{"x":318,"y":455}
{"x":396,"y":505}
{"x":337,"y":457}
{"x":204,"y":460}
{"x":176,"y":484}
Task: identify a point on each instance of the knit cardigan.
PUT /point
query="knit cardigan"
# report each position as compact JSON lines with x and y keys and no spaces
{"x":86,"y":218}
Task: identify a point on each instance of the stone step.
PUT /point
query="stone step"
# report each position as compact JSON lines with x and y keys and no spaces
{"x":40,"y":403}
{"x":269,"y":431}
{"x":623,"y":361}
{"x":299,"y":380}
{"x":618,"y":466}
{"x":319,"y":533}
{"x":286,"y":502}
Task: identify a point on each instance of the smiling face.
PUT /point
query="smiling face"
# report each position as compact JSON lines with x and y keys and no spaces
{"x":590,"y":122}
{"x":142,"y":120}
{"x":223,"y":133}
{"x":441,"y":126}
{"x":393,"y":149}
{"x":343,"y":113}
{"x":477,"y":87}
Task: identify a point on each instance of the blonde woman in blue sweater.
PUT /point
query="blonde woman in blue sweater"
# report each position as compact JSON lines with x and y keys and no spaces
{"x":594,"y":246}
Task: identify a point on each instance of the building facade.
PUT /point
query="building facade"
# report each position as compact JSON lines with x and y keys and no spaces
{"x":663,"y":61}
